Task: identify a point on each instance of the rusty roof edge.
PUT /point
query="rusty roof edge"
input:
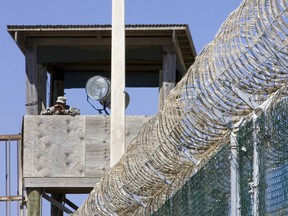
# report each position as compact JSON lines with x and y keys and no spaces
{"x":95,"y":27}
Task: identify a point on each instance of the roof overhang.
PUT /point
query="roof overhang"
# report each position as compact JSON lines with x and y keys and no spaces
{"x":78,"y":48}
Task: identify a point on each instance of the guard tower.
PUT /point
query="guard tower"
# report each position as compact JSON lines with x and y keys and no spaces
{"x":65,"y":154}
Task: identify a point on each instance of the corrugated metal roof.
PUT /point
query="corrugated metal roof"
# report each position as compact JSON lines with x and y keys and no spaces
{"x":95,"y":27}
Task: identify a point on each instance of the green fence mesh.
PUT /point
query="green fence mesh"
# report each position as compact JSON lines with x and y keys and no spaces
{"x":245,"y":142}
{"x":273,"y":138}
{"x":208,"y":191}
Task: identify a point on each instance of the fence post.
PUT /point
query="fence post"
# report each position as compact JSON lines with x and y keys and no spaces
{"x":255,"y":184}
{"x":234,"y":168}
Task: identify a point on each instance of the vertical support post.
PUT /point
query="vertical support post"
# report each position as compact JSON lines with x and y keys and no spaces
{"x":34,"y":202}
{"x":31,"y":81}
{"x":55,"y":211}
{"x":256,"y":165}
{"x":117,"y":135}
{"x":168,"y":74}
{"x":161,"y":96}
{"x":234,"y":168}
{"x":35,"y":82}
{"x":35,"y":101}
{"x":57,"y":84}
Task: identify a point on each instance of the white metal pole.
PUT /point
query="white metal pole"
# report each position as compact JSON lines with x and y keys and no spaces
{"x":255,"y":167}
{"x":117,"y":136}
{"x":234,"y":168}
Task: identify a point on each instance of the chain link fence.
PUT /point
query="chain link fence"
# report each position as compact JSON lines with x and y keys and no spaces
{"x":208,"y":191}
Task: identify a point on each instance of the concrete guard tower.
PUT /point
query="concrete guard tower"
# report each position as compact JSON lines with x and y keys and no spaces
{"x":65,"y":154}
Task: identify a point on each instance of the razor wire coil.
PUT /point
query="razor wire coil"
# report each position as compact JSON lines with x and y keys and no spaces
{"x":232,"y":76}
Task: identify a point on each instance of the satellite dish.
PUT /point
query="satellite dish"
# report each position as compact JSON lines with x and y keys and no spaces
{"x":99,"y":88}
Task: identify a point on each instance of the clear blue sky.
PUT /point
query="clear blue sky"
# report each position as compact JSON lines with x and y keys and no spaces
{"x":204,"y":18}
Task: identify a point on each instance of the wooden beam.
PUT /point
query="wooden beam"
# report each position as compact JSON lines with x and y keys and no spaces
{"x":31,"y":81}
{"x":98,"y":67}
{"x":35,"y":82}
{"x":57,"y":204}
{"x":61,"y":182}
{"x":71,"y":204}
{"x":168,"y":73}
{"x":117,"y":141}
{"x":97,"y":55}
{"x":95,"y":41}
{"x":59,"y":198}
{"x":57,"y":81}
{"x":35,"y":102}
{"x":34,"y":201}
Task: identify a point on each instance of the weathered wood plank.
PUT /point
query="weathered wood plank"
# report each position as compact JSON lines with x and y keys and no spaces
{"x":83,"y":41}
{"x":57,"y":144}
{"x":61,"y":182}
{"x":65,"y":146}
{"x":31,"y":80}
{"x":97,"y":137}
{"x":168,"y":74}
{"x":36,"y":77}
{"x":133,"y":126}
{"x":28,"y":147}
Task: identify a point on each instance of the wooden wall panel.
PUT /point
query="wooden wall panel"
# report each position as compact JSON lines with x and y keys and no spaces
{"x":97,"y":145}
{"x":58,"y":147}
{"x":69,"y":147}
{"x":28,"y":148}
{"x":133,"y":126}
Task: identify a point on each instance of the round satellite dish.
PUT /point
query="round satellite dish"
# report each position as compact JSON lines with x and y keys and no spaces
{"x":98,"y":88}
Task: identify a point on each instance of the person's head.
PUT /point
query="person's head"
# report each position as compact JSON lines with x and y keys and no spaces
{"x":61,"y":100}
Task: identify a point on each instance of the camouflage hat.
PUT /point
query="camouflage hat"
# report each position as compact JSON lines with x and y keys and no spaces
{"x":61,"y":99}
